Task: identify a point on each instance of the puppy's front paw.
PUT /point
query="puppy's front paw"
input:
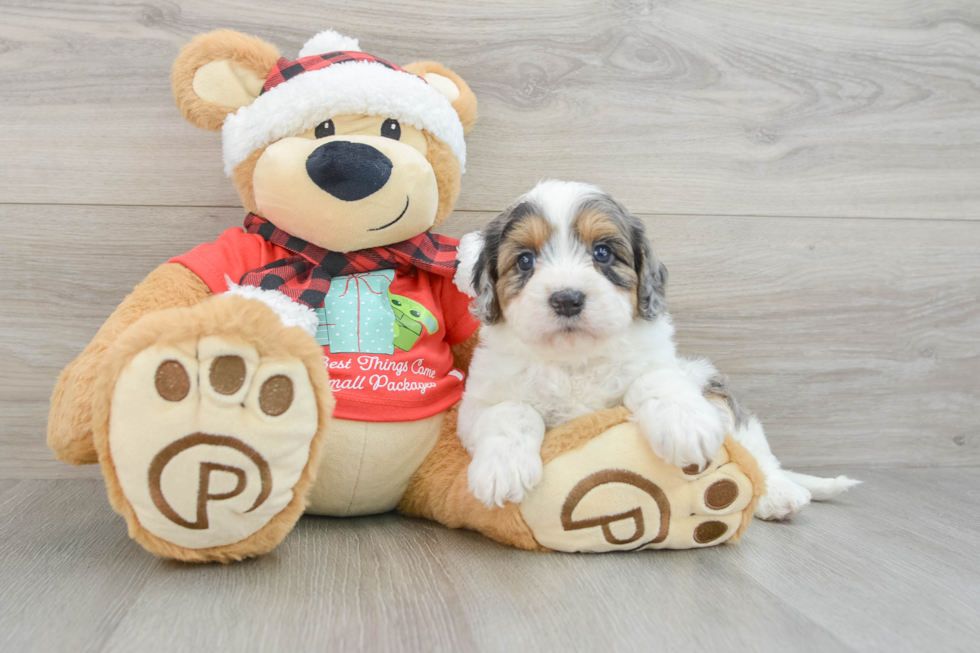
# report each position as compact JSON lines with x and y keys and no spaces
{"x":683,"y":430}
{"x":500,"y":473}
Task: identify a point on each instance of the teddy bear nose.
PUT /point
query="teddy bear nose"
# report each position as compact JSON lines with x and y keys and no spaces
{"x":348,"y":171}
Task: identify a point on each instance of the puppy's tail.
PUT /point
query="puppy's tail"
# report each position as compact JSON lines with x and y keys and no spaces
{"x":822,"y":488}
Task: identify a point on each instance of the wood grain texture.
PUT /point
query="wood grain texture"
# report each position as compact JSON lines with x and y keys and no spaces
{"x":747,"y":107}
{"x":882,"y":569}
{"x":856,"y":341}
{"x":69,"y":571}
{"x":856,"y":566}
{"x":7,"y":484}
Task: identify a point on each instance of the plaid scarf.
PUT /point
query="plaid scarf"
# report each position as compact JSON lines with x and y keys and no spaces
{"x":305,"y":276}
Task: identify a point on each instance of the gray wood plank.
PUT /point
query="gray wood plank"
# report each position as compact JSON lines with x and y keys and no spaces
{"x":43,"y":330}
{"x":669,"y":601}
{"x":857,"y":341}
{"x":7,"y":484}
{"x":872,"y":567}
{"x":68,"y":572}
{"x":743,"y":107}
{"x":854,"y":340}
{"x":343,"y":585}
{"x":888,"y":567}
{"x":378,"y":584}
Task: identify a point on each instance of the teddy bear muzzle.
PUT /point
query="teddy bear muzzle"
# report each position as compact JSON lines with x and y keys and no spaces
{"x":348,"y":191}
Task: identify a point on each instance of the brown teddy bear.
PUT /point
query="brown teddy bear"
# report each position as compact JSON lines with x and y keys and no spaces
{"x":313,"y":360}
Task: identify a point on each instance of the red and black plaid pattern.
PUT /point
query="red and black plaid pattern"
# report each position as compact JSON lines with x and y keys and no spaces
{"x":305,"y":276}
{"x":285,"y":69}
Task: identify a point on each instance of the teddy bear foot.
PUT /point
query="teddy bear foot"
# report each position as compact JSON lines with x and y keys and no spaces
{"x":614,"y":494}
{"x":212,"y":417}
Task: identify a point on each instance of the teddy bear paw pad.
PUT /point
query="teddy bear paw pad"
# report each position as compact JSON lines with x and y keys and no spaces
{"x":615,"y":494}
{"x":208,"y":439}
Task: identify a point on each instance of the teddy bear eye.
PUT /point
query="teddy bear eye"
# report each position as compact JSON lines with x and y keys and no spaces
{"x":415,"y":313}
{"x":324,"y":129}
{"x":391,"y":129}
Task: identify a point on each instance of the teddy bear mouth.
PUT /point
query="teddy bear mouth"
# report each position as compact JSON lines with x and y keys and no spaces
{"x":400,"y":215}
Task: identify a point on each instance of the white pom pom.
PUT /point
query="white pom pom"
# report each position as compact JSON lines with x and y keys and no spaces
{"x":328,"y":41}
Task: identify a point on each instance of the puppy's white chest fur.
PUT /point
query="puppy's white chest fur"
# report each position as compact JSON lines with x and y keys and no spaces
{"x":562,"y":383}
{"x":564,"y":392}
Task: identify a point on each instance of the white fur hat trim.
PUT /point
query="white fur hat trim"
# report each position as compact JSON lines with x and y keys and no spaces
{"x":353,"y":87}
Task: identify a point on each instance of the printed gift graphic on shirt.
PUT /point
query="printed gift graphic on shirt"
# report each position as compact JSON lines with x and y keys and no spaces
{"x":360,"y":315}
{"x":356,"y":315}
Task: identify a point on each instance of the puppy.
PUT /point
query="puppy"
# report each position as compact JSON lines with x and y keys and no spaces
{"x":572,"y":298}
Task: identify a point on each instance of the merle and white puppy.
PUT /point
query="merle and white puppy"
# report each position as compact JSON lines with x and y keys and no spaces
{"x":571,"y":296}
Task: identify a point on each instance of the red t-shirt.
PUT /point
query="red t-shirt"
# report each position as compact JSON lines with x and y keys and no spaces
{"x":386,"y":335}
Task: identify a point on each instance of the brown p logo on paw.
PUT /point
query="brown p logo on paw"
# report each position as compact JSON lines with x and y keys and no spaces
{"x":605,"y":522}
{"x":204,"y":495}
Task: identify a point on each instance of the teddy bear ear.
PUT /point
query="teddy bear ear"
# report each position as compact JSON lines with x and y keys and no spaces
{"x":452,"y":86}
{"x":219,"y":72}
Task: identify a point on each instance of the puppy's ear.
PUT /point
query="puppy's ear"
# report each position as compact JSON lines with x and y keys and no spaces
{"x":219,"y":72}
{"x":651,"y":274}
{"x":487,"y":306}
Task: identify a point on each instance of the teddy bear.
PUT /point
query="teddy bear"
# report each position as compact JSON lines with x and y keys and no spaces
{"x":313,"y":359}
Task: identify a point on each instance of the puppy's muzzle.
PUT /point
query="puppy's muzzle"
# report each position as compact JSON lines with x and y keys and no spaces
{"x":567,"y":303}
{"x":348,"y":171}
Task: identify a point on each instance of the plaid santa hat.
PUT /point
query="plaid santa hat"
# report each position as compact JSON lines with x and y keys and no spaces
{"x":333,"y":77}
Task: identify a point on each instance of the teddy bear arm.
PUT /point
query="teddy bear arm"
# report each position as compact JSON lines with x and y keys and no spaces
{"x":69,"y":429}
{"x":439,"y":491}
{"x":651,"y":505}
{"x":463,"y":352}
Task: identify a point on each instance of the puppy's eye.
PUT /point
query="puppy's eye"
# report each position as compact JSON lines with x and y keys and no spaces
{"x":601,"y":254}
{"x":324,"y":129}
{"x":525,"y":262}
{"x":391,"y":129}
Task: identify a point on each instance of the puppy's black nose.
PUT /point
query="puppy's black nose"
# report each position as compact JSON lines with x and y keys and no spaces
{"x":348,"y":171}
{"x":567,"y":303}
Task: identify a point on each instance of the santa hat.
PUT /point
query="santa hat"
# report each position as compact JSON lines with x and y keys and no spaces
{"x":333,"y":77}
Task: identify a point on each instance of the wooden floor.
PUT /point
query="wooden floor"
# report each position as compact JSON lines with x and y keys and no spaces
{"x":890,"y":568}
{"x":811,"y":175}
